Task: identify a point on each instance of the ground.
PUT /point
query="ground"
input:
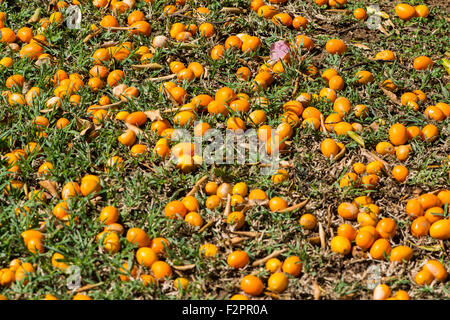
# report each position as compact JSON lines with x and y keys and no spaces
{"x":141,"y":190}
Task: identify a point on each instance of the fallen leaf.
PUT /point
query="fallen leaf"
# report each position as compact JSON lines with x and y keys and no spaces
{"x":371,"y":155}
{"x":374,"y":126}
{"x":322,"y":236}
{"x":316,"y":291}
{"x":267,"y":258}
{"x":357,"y":138}
{"x":391,"y":96}
{"x":50,"y":186}
{"x":36,"y":16}
{"x":84,"y":126}
{"x":446,"y":64}
{"x":134,"y":128}
{"x":153,"y":115}
{"x":436,"y":247}
{"x":108,"y":44}
{"x":185,"y":267}
{"x":296,"y":206}
{"x":340,"y":154}
{"x":87,"y":287}
{"x":382,"y":29}
{"x":232,"y":10}
{"x":206,"y":226}
{"x":344,"y":11}
{"x":383,"y":14}
{"x":227,"y":210}
{"x":361,"y":46}
{"x":149,"y":66}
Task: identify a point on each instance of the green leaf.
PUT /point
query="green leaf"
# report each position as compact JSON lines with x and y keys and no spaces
{"x":446,"y":64}
{"x":357,"y":138}
{"x":436,"y":247}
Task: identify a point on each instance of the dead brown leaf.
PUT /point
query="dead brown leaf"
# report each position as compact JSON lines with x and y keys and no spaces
{"x":297,"y":206}
{"x":270,"y":256}
{"x":50,"y":186}
{"x":153,"y":115}
{"x":391,"y":96}
{"x":84,"y":126}
{"x":361,"y":46}
{"x":148,"y":66}
{"x":134,"y":129}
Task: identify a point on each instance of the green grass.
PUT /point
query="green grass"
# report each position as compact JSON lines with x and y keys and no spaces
{"x":141,"y":190}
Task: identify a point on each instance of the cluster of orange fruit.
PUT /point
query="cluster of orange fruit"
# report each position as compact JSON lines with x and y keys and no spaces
{"x":269,"y":12}
{"x":171,"y":9}
{"x":431,"y":270}
{"x":242,"y":41}
{"x":193,"y":71}
{"x":399,"y":135}
{"x":403,"y":10}
{"x":224,"y":102}
{"x":14,"y":157}
{"x":186,"y":209}
{"x":32,"y":44}
{"x":406,"y":11}
{"x":383,"y":292}
{"x":370,"y":180}
{"x":33,"y":240}
{"x":14,"y":96}
{"x":90,"y":185}
{"x":181,"y":32}
{"x":136,"y":21}
{"x":217,"y":194}
{"x":331,"y":3}
{"x":277,"y":282}
{"x":413,"y":99}
{"x":17,"y":271}
{"x":373,"y":235}
{"x":428,"y":212}
{"x":148,"y":254}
